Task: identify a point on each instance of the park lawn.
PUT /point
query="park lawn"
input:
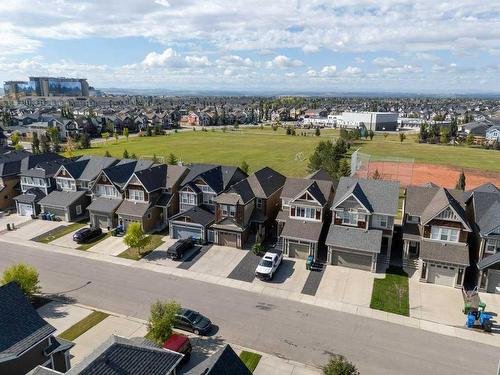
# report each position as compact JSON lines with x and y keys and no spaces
{"x":391,"y":293}
{"x":83,"y":325}
{"x":61,"y":232}
{"x":251,"y":360}
{"x":88,"y":245}
{"x":133,"y":253}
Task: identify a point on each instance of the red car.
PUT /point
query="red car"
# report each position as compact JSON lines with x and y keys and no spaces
{"x":180,"y":344}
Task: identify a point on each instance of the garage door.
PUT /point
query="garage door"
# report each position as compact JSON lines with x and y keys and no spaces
{"x":185,"y":232}
{"x":101,"y":221}
{"x":493,"y":281}
{"x":352,"y":260}
{"x":25,"y":209}
{"x":298,"y":250}
{"x":228,"y":239}
{"x":442,"y":275}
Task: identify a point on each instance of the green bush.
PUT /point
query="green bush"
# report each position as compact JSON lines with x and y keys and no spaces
{"x":26,"y":277}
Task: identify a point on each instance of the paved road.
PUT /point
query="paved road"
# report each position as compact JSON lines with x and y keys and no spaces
{"x":289,"y":329}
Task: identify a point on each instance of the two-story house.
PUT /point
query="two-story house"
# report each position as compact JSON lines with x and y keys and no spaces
{"x":150,"y":196}
{"x":36,"y":183}
{"x":12,"y":163}
{"x":73,"y":181}
{"x":107,"y":191}
{"x":249,"y":206}
{"x":27,"y":340}
{"x":196,"y":200}
{"x":304,"y":211}
{"x":483,"y":212}
{"x":435,"y":234}
{"x":362,"y":228}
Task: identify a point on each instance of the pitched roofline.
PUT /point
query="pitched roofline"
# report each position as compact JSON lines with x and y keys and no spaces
{"x":305,"y":191}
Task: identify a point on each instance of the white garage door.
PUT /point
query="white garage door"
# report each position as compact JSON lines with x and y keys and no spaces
{"x":442,"y":275}
{"x":185,"y":232}
{"x":25,"y":209}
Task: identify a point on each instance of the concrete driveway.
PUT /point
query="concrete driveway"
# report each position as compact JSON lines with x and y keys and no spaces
{"x":62,"y":316}
{"x":109,"y":246}
{"x":291,"y":276}
{"x":12,"y":219}
{"x":346,"y":285}
{"x":66,"y":240}
{"x":33,"y":229}
{"x":219,"y":260}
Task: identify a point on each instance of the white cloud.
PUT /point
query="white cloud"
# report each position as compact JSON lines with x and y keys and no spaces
{"x":284,"y":62}
{"x":234,"y":60}
{"x":310,"y":48}
{"x":384,"y":61}
{"x":359,"y":60}
{"x":404,"y":69}
{"x":168,"y":56}
{"x":328,"y":70}
{"x":422,"y":56}
{"x":352,"y":71}
{"x":165,"y":3}
{"x":197,"y":60}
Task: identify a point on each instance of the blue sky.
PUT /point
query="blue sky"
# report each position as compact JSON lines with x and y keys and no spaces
{"x":295,"y":45}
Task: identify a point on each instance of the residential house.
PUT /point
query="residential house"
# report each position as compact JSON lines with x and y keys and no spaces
{"x":198,"y":119}
{"x":196,"y":200}
{"x":249,"y":206}
{"x":150,"y":196}
{"x":107,"y":191}
{"x":73,"y":181}
{"x":36,"y":183}
{"x":223,"y":362}
{"x":12,"y":163}
{"x":493,"y":134}
{"x":362,"y":228}
{"x":26,"y":340}
{"x":304,"y":212}
{"x":435,"y":234}
{"x":119,"y":355}
{"x":483,"y":212}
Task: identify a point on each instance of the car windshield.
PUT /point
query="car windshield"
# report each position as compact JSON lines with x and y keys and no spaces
{"x":192,"y":316}
{"x":265,"y":263}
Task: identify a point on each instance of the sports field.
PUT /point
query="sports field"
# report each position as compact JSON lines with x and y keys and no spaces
{"x":288,"y":154}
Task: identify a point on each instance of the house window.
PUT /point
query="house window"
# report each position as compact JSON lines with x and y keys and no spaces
{"x":350,"y":218}
{"x":444,"y":234}
{"x":492,"y":246}
{"x":304,"y":212}
{"x":136,"y":195}
{"x":188,"y":198}
{"x":259,"y":203}
{"x":232,"y":211}
{"x":224,"y":209}
{"x":380,"y":221}
{"x":78,"y":209}
{"x":413,"y":219}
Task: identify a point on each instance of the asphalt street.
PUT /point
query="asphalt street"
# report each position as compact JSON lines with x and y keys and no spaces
{"x":300,"y":332}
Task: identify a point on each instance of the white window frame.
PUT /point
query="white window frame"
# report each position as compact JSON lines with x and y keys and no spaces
{"x":78,"y":209}
{"x":188,"y":198}
{"x":492,"y":246}
{"x":232,"y":211}
{"x":307,"y":213}
{"x":445,"y":234}
{"x":136,"y":195}
{"x":224,"y":209}
{"x":351,"y":216}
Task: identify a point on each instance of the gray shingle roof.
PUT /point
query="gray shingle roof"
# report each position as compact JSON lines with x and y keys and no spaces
{"x":30,"y":196}
{"x":40,"y":370}
{"x":120,"y":173}
{"x":354,"y":238}
{"x":444,"y":252}
{"x":104,"y":205}
{"x":119,"y":355}
{"x":440,"y":201}
{"x":218,"y":177}
{"x":21,"y":327}
{"x":224,"y":362}
{"x":488,"y":261}
{"x":302,"y":229}
{"x":197,"y":215}
{"x":15,"y":162}
{"x":294,"y":186}
{"x":486,"y":211}
{"x":59,"y":198}
{"x":131,"y":208}
{"x":88,"y":167}
{"x":382,"y":196}
{"x":419,"y":197}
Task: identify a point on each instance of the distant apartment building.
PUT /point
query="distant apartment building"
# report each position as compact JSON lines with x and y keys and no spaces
{"x":376,"y":121}
{"x":47,"y":87}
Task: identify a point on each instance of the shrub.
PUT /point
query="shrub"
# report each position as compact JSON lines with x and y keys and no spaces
{"x":26,"y":277}
{"x":338,"y":365}
{"x":161,"y":320}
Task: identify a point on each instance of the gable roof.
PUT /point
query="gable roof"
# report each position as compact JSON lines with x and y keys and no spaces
{"x":218,"y":177}
{"x":15,"y":162}
{"x":224,"y":362}
{"x":441,"y":200}
{"x":319,"y":189}
{"x":46,"y":168}
{"x":197,"y":215}
{"x":21,"y":327}
{"x":378,"y":196}
{"x":88,"y":167}
{"x":153,"y":178}
{"x":486,"y":211}
{"x":121,"y":172}
{"x":119,"y":355}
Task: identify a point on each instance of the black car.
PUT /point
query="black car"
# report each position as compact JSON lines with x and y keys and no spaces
{"x":193,"y":321}
{"x":86,"y":234}
{"x":178,"y":249}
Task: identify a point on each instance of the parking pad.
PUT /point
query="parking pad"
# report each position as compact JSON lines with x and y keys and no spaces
{"x":245,"y":270}
{"x":314,"y":279}
{"x":291,"y":275}
{"x":193,"y":256}
{"x":49,"y":232}
{"x":219,"y":261}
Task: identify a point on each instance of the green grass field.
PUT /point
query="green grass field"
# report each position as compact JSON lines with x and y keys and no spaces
{"x":287,"y":154}
{"x":391,"y":293}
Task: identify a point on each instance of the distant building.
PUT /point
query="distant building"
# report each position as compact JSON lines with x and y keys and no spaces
{"x":376,"y":121}
{"x":47,"y":87}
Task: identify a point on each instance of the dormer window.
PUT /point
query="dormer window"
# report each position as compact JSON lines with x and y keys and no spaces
{"x":492,"y":246}
{"x":444,"y":234}
{"x":136,"y":195}
{"x":350,"y":218}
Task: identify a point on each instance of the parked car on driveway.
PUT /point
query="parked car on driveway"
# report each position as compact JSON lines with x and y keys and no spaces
{"x":178,"y":249}
{"x":268,"y":265}
{"x":193,"y":321}
{"x":86,"y":234}
{"x":180,"y":344}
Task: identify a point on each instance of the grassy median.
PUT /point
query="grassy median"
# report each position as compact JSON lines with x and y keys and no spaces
{"x":391,"y":293}
{"x":83,"y":325}
{"x":54,"y":235}
{"x":251,"y":360}
{"x":134,"y":254}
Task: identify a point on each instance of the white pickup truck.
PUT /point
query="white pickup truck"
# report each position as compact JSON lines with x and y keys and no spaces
{"x":268,"y":265}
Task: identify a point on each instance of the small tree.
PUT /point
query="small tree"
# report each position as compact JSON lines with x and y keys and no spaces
{"x":135,"y":237}
{"x":85,"y":141}
{"x":149,"y":133}
{"x":105,"y":135}
{"x":35,"y":143}
{"x":25,"y":275}
{"x":133,"y":156}
{"x":338,"y":365}
{"x":125,"y":154}
{"x":402,"y":137}
{"x":258,"y":248}
{"x":345,"y":168}
{"x":161,"y":320}
{"x":244,"y":166}
{"x":44,"y":144}
{"x":376,"y":175}
{"x":172,"y":159}
{"x":19,"y":147}
{"x":371,"y":134}
{"x":115,"y":134}
{"x":317,"y":132}
{"x":107,"y":154}
{"x":470,"y":139}
{"x":461,"y":181}
{"x":125,"y":133}
{"x":15,"y":138}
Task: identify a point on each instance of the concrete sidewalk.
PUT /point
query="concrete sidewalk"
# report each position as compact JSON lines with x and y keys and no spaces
{"x":436,"y":327}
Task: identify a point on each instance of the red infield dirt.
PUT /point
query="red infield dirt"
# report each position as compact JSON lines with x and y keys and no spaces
{"x":420,"y":173}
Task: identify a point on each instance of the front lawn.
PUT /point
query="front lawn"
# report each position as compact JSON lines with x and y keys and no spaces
{"x":54,"y":235}
{"x":83,"y":325}
{"x":133,"y":253}
{"x":88,"y":245}
{"x":251,"y":360}
{"x":391,"y":293}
